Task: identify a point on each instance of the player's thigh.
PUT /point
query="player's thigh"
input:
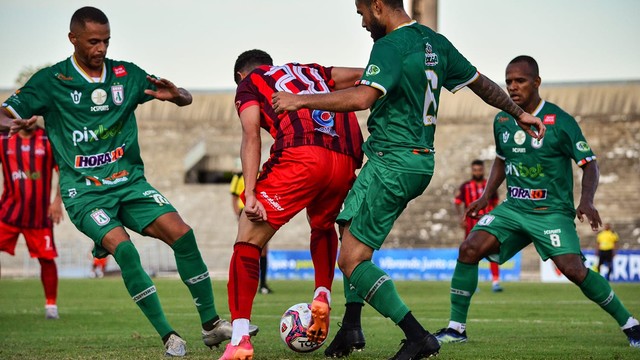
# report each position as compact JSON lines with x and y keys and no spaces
{"x":382,"y":201}
{"x":505,"y":224}
{"x":554,"y":234}
{"x":8,"y":238}
{"x":40,"y":243}
{"x":325,"y":207}
{"x":141,"y":205}
{"x":289,"y":182}
{"x":95,"y":215}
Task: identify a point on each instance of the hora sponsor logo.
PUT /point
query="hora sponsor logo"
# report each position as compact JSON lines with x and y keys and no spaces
{"x":97,"y":160}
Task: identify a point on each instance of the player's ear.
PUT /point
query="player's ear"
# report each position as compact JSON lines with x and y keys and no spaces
{"x":73,"y":38}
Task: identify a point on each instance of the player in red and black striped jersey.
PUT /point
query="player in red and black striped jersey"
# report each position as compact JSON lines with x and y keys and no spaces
{"x":26,"y":207}
{"x":469,"y":192}
{"x":311,"y":166}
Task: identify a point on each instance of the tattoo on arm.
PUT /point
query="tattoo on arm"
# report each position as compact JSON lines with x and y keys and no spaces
{"x":493,"y":95}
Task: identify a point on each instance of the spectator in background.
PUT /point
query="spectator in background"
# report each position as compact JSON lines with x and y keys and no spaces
{"x":607,"y":242}
{"x":26,"y":207}
{"x":236,"y":188}
{"x":469,"y":192}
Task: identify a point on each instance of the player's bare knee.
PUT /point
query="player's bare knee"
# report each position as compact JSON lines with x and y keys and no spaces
{"x":469,"y":253}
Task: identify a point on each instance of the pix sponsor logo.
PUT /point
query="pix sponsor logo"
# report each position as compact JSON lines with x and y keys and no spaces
{"x":101,"y":133}
{"x":97,"y":160}
{"x":521,"y":170}
{"x":519,"y":193}
{"x":25,"y":175}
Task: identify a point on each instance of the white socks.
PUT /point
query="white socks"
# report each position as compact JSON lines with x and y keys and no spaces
{"x":240,"y":329}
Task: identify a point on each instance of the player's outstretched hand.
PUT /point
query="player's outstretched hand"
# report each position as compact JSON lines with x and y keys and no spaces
{"x":475,"y":207}
{"x":531,"y":125}
{"x":20,"y":124}
{"x":284,"y":101}
{"x":166,"y":90}
{"x":590,"y":211}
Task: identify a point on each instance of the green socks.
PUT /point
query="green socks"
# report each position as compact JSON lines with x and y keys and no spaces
{"x":195,"y":275}
{"x":598,"y":290}
{"x":374,"y":286}
{"x":463,"y":285}
{"x":140,"y":286}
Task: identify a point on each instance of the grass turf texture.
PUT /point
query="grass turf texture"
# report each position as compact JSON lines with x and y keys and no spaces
{"x":98,"y":320}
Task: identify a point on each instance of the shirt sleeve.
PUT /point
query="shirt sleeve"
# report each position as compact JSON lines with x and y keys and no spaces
{"x":459,"y":199}
{"x":30,"y":100}
{"x":382,"y":71}
{"x":459,"y":71}
{"x":246,"y":95}
{"x":573,"y":141}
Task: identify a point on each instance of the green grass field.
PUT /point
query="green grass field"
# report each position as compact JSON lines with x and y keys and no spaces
{"x":98,"y":320}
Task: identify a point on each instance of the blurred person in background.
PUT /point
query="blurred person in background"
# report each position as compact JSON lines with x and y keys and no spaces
{"x":26,"y":207}
{"x":469,"y":192}
{"x":607,"y":243}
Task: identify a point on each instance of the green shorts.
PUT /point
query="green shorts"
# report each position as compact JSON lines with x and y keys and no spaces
{"x":134,"y":205}
{"x":377,"y":199}
{"x":552,"y":234}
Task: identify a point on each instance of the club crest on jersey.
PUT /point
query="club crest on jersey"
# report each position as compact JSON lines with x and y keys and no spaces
{"x":75,"y":96}
{"x":505,"y":136}
{"x":430,"y":58}
{"x":117,"y":94}
{"x":100,"y":217}
{"x":536,"y":144}
{"x":582,"y":146}
{"x":73,"y":193}
{"x":373,"y":70}
{"x":326,"y":121}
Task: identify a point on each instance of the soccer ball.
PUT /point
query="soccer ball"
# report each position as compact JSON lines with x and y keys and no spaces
{"x":293,"y":328}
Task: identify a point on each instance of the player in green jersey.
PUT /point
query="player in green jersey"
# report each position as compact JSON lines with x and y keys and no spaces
{"x":88,"y":103}
{"x":408,"y":67}
{"x":539,"y":208}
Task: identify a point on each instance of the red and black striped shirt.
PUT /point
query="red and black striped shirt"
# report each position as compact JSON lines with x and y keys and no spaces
{"x":27,"y":167}
{"x":471,"y":191}
{"x":339,"y":132}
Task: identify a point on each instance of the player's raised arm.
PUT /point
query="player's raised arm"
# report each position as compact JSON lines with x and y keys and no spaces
{"x":492,"y":94}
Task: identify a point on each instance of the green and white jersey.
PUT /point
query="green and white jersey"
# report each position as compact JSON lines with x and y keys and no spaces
{"x":539,"y":173}
{"x":90,"y":122}
{"x":410,"y":65}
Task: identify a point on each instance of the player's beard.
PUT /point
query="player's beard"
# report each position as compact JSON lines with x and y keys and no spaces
{"x":376,"y":29}
{"x":478,"y":177}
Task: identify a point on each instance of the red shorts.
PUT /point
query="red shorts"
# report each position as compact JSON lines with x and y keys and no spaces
{"x":310,"y":177}
{"x":39,"y":241}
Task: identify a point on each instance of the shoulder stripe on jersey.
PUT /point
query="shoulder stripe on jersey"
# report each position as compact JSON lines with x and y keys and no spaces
{"x":13,"y":112}
{"x":373,"y":85}
{"x":473,"y":78}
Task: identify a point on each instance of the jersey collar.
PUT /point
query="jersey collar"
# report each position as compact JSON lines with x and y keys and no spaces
{"x":405,"y":24}
{"x":538,"y":108}
{"x":86,"y":76}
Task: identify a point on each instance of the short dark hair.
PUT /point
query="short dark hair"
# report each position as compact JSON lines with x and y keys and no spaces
{"x":87,"y":14}
{"x":394,"y":4}
{"x":249,"y":60}
{"x":533,"y":64}
{"x":477,"y":162}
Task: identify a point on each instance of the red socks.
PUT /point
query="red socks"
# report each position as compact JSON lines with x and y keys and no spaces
{"x":495,"y":271}
{"x":49,"y":277}
{"x":244,"y":273}
{"x":324,"y":249}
